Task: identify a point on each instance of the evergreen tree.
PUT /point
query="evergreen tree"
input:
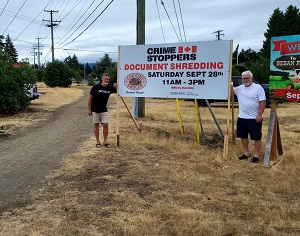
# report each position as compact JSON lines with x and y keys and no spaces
{"x":298,"y":24}
{"x":10,"y":49}
{"x":1,"y":43}
{"x":112,"y":71}
{"x":100,"y":67}
{"x":280,"y":24}
{"x":275,"y":28}
{"x":291,"y":17}
{"x":247,"y":55}
{"x":73,"y":63}
{"x":88,"y":69}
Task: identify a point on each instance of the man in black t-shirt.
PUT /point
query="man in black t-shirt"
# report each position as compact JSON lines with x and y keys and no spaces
{"x":97,"y":103}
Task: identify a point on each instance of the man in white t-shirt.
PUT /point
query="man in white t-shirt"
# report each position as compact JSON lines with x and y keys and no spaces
{"x":252,"y":103}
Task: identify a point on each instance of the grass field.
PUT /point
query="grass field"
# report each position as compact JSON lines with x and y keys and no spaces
{"x":276,"y":82}
{"x":162,"y":182}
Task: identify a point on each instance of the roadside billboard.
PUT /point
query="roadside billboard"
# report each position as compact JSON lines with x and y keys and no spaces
{"x":176,"y":70}
{"x":285,"y":68}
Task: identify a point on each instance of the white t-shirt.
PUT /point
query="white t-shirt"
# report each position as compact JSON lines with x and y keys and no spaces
{"x":249,"y":98}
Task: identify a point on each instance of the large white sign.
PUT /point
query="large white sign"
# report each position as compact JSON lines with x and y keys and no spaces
{"x":181,"y":70}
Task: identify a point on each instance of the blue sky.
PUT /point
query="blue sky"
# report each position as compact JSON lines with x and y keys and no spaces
{"x":88,"y":30}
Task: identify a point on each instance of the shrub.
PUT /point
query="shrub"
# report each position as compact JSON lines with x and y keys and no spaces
{"x":57,"y":74}
{"x":91,"y":81}
{"x":12,"y":85}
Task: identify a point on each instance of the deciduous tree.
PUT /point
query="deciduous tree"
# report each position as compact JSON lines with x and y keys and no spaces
{"x":12,"y":84}
{"x":260,"y":69}
{"x":57,"y":74}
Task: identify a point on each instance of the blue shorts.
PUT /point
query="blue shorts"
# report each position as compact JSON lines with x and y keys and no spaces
{"x":248,"y":126}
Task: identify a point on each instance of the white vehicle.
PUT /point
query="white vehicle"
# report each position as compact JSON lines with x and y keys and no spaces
{"x":32,"y":91}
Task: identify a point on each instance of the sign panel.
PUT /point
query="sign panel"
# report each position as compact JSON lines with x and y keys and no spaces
{"x":285,"y":68}
{"x":179,"y":70}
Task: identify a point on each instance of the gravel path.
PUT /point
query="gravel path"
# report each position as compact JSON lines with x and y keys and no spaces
{"x":26,"y":159}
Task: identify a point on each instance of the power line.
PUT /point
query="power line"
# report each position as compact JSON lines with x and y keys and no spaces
{"x":183,"y":29}
{"x":4,"y":7}
{"x":162,"y":31}
{"x":20,"y":17}
{"x":28,"y":25}
{"x":77,"y":22}
{"x":39,"y":31}
{"x":83,"y":50}
{"x":57,"y":4}
{"x":90,"y":23}
{"x":76,"y":49}
{"x":177,"y":19}
{"x":24,"y":41}
{"x":47,"y":54}
{"x":162,"y":3}
{"x":73,"y":7}
{"x":14,"y":17}
{"x":59,"y":16}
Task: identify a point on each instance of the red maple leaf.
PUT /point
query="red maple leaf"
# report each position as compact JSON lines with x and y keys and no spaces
{"x":187,"y":49}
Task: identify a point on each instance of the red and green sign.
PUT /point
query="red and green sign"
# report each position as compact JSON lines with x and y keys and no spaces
{"x":285,"y":68}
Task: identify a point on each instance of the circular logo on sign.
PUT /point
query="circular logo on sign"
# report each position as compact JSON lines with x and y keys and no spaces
{"x":135,"y":81}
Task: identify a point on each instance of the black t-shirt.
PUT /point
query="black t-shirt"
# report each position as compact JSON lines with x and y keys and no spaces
{"x":100,"y":97}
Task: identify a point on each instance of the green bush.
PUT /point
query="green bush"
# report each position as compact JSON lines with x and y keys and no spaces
{"x":40,"y":74}
{"x":77,"y":76}
{"x":91,"y":81}
{"x":57,"y":74}
{"x":112,"y":71}
{"x":12,"y":85}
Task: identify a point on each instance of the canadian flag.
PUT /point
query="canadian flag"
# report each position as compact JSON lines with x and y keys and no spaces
{"x":187,"y":49}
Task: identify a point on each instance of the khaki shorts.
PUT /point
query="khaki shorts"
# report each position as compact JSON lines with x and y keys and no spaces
{"x":102,"y":118}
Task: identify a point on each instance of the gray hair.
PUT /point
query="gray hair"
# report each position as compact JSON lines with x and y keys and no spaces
{"x":248,"y":72}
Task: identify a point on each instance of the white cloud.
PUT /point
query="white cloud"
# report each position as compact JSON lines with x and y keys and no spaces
{"x":242,"y":21}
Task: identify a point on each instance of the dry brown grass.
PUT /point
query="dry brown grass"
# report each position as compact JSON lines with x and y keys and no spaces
{"x":40,"y":109}
{"x":161,"y":182}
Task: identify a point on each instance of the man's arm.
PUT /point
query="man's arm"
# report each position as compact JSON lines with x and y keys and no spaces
{"x":261,"y":108}
{"x":115,"y":85}
{"x":90,"y":105}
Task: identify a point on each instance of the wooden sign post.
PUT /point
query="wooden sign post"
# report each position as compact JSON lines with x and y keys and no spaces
{"x":273,"y":142}
{"x":232,"y":115}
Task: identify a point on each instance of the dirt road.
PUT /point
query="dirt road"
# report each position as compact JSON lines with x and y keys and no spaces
{"x":27,"y":158}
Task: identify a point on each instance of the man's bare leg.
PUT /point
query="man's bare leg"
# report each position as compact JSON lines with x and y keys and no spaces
{"x":257,"y":146}
{"x":105,"y":133}
{"x":96,"y":132}
{"x":245,"y":144}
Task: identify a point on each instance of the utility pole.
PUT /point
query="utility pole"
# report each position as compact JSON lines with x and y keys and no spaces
{"x":52,"y":24}
{"x":140,"y":39}
{"x":83,"y":72}
{"x":38,"y":52}
{"x":33,"y":57}
{"x":218,"y":32}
